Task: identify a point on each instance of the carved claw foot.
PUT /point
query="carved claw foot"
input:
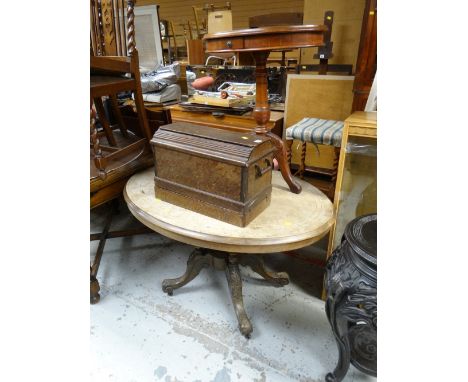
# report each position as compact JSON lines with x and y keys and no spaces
{"x":94,"y":291}
{"x":196,"y":262}
{"x":235,"y":286}
{"x":167,"y":288}
{"x":255,"y":262}
{"x":330,"y":378}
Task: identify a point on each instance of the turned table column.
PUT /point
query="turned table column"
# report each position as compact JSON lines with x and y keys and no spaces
{"x":261,"y":114}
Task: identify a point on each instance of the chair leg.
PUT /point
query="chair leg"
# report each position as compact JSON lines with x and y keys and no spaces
{"x":336,"y":159}
{"x":140,"y":107}
{"x":94,"y":290}
{"x":105,"y":123}
{"x":99,"y":160}
{"x":289,"y":143}
{"x":94,"y":287}
{"x":142,"y":119}
{"x":303,"y":156}
{"x":118,"y":115}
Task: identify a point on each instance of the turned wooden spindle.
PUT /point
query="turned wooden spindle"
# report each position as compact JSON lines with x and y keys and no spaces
{"x":130,"y":27}
{"x":303,"y":158}
{"x":289,"y":143}
{"x":261,"y":113}
{"x":99,"y":161}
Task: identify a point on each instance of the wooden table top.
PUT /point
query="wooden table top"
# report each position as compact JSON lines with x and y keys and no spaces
{"x":266,"y":38}
{"x":291,"y":221}
{"x":365,"y":118}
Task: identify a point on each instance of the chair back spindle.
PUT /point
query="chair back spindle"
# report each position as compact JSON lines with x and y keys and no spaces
{"x":112,"y":27}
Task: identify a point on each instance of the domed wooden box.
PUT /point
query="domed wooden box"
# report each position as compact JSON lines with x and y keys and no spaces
{"x":222,"y":174}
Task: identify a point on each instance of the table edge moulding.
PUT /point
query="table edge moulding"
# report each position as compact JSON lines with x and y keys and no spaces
{"x":245,"y":241}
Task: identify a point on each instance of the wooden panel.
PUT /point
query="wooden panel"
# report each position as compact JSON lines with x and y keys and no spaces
{"x":328,"y":97}
{"x":346,"y":28}
{"x":195,"y":52}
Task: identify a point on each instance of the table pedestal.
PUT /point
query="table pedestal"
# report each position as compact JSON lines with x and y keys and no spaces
{"x":228,"y":262}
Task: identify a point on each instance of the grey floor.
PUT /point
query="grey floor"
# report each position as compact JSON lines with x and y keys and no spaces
{"x":140,"y":334}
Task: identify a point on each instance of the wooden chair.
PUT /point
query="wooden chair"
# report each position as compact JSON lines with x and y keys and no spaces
{"x":317,"y":131}
{"x":117,"y":152}
{"x":317,"y":120}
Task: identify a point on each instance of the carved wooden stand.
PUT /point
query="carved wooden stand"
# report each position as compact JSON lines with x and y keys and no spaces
{"x":228,"y":262}
{"x":259,"y":42}
{"x":351,"y":304}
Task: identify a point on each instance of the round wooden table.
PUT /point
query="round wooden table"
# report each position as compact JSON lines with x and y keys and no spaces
{"x":291,"y":221}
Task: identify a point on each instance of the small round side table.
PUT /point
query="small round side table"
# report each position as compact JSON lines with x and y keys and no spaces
{"x":351,"y":304}
{"x":290,"y":222}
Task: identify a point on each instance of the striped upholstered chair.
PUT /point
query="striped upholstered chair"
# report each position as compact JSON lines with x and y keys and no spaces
{"x":316,"y":131}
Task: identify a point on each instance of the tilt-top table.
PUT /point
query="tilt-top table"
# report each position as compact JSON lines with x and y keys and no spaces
{"x":260,"y":42}
{"x":290,"y":222}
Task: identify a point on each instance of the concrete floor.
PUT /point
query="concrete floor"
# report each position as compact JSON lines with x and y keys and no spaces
{"x":140,"y":334}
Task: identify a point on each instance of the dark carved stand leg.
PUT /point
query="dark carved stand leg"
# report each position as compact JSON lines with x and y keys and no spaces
{"x":344,"y":357}
{"x":343,"y":364}
{"x":351,"y":304}
{"x":201,"y":258}
{"x":261,"y":113}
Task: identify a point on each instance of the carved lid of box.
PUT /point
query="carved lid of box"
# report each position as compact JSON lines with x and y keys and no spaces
{"x":240,"y":149}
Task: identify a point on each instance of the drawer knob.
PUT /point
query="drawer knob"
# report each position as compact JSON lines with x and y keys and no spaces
{"x":229,"y":44}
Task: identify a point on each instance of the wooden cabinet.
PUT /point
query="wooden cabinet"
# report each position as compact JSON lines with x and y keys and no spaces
{"x":356,"y":183}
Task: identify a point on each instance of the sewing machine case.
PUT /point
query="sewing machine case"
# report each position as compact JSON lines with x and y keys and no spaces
{"x":222,"y":174}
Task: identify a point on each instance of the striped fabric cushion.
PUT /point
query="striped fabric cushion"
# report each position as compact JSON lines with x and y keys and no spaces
{"x":316,"y":130}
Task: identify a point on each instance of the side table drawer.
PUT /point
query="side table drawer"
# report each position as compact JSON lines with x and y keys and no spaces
{"x":227,"y":44}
